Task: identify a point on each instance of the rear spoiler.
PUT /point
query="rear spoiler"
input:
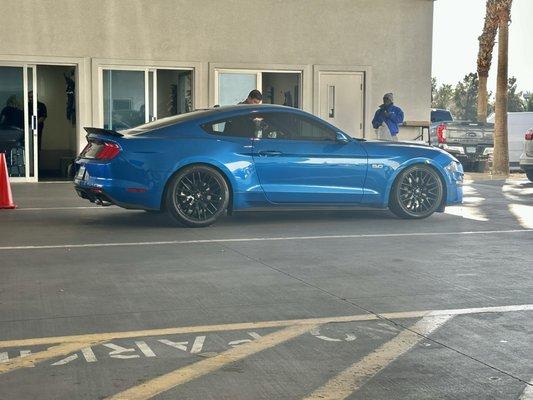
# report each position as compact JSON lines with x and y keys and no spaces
{"x":101,"y":131}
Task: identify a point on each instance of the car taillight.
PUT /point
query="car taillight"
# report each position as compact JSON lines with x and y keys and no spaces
{"x":100,"y":151}
{"x":108,"y":151}
{"x":529,"y":135}
{"x":441,"y":133}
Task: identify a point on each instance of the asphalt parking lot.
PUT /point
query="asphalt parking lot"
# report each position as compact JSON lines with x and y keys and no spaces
{"x":105,"y":303}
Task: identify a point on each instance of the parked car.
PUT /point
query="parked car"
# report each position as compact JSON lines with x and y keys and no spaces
{"x":472,"y":143}
{"x":517,"y":124}
{"x":526,"y":158}
{"x":199,"y":165}
{"x":440,"y":115}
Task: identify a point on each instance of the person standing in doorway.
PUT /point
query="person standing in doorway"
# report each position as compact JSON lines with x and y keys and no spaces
{"x":12,"y":114}
{"x":387,"y":119}
{"x":254,"y":97}
{"x":41,"y":116}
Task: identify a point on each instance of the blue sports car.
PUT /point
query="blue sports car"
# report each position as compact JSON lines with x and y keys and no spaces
{"x":200,"y":165}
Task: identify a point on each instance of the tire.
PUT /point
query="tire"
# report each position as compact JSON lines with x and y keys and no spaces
{"x":480,"y":166}
{"x":417,"y":192}
{"x":197,"y":196}
{"x":529,"y":174}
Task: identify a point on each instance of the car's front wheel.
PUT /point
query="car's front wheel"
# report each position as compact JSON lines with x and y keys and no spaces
{"x":197,"y":196}
{"x":417,"y":193}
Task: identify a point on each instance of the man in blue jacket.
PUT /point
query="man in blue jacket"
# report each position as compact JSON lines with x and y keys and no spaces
{"x":387,"y":118}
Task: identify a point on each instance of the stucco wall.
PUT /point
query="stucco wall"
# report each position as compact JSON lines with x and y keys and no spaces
{"x":393,"y":37}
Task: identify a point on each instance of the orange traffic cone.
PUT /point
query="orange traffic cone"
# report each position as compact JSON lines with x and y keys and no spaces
{"x":6,"y":199}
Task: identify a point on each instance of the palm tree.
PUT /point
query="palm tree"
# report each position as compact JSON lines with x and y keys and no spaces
{"x":501,"y":145}
{"x":484,"y":57}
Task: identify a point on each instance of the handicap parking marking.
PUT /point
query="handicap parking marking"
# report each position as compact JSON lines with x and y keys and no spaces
{"x":265,"y":239}
{"x":185,"y":374}
{"x":65,"y":346}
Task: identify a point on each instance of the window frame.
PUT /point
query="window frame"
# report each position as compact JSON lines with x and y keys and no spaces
{"x":225,"y":120}
{"x":309,"y":120}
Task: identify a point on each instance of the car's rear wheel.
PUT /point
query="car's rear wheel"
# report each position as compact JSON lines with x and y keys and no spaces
{"x":197,"y":196}
{"x":529,"y":174}
{"x":417,"y":192}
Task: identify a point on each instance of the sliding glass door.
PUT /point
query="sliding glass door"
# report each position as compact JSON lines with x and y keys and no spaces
{"x":18,"y":120}
{"x":132,"y":96}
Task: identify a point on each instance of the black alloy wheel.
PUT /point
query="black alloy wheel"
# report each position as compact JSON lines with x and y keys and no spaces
{"x":417,"y":193}
{"x":197,"y":196}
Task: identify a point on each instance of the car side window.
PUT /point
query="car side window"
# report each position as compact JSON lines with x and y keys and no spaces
{"x":238,"y":126}
{"x":294,"y":127}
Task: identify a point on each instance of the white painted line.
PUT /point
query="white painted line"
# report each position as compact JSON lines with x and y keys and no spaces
{"x":118,"y":350}
{"x":176,"y":345}
{"x":25,"y":353}
{"x":352,"y":378}
{"x":147,"y":351}
{"x":263,"y":239}
{"x":255,"y":335}
{"x":88,"y":354}
{"x":198,"y":344}
{"x":61,"y":208}
{"x":66,"y":360}
{"x":527,"y":394}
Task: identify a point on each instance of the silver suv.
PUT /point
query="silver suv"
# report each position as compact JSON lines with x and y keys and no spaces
{"x":526,"y":159}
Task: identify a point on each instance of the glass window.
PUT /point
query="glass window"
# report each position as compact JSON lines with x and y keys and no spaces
{"x":124,"y":99}
{"x":239,"y":126}
{"x":12,"y":120}
{"x":234,"y":87}
{"x":293,"y":127}
{"x":174,"y":92}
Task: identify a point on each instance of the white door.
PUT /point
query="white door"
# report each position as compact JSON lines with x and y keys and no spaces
{"x":341,"y":99}
{"x":18,"y":121}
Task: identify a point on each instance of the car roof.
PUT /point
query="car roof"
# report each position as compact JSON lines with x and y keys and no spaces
{"x":210,"y":113}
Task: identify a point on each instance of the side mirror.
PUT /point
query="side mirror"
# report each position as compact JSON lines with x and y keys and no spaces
{"x":341,"y":138}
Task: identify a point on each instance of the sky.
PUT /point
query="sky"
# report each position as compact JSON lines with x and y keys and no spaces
{"x":456,"y":26}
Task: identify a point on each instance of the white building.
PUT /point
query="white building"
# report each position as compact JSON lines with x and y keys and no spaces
{"x":136,"y":60}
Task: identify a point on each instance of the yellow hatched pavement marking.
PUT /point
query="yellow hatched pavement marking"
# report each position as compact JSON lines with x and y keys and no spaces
{"x":78,"y":342}
{"x":179,"y":376}
{"x":352,"y":378}
{"x":31,"y":359}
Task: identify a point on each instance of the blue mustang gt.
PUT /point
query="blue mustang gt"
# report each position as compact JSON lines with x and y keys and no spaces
{"x":199,"y":165}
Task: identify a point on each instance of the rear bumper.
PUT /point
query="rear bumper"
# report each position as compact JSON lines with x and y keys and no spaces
{"x":100,"y":185}
{"x":526,"y":162}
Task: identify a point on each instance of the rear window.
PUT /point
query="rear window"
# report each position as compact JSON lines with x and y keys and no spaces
{"x":441,"y":115}
{"x":163,"y":122}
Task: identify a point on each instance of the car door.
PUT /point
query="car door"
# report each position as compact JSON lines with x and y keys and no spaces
{"x":299,"y":159}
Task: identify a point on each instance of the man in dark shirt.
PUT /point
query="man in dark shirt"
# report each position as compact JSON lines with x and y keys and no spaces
{"x":244,"y":126}
{"x":41,"y":116}
{"x":12,"y":115}
{"x":254,"y":97}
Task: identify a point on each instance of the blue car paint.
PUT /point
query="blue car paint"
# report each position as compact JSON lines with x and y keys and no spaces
{"x":329,"y":173}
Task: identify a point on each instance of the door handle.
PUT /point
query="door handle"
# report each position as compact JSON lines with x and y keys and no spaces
{"x":270,"y":153}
